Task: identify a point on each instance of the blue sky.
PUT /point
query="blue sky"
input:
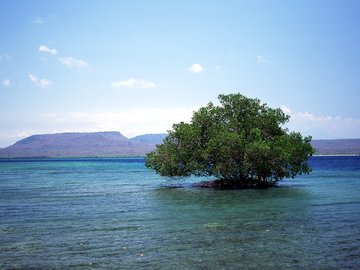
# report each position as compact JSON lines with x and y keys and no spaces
{"x":139,"y":66}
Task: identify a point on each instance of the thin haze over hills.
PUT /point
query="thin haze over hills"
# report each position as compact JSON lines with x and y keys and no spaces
{"x":95,"y":144}
{"x":114,"y":144}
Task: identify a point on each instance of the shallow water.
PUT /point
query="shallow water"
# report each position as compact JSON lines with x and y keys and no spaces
{"x":116,"y":214}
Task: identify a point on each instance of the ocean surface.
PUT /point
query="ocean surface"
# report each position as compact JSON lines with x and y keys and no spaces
{"x":116,"y":214}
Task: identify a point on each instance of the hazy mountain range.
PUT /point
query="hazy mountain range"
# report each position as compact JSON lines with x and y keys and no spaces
{"x":114,"y":144}
{"x":94,"y":144}
{"x":337,"y":147}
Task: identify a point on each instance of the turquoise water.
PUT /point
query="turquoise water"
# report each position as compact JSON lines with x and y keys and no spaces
{"x":116,"y":214}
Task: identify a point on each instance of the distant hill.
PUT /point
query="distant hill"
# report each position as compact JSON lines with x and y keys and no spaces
{"x":337,"y":147}
{"x":95,"y":144}
{"x":114,"y":144}
{"x":152,"y":139}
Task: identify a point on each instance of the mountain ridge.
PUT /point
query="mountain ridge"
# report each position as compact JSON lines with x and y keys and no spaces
{"x":336,"y":146}
{"x":77,"y":144}
{"x":115,"y":144}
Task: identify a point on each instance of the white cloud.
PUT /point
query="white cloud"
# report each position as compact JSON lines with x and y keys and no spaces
{"x":6,"y":82}
{"x":38,"y":20}
{"x":136,"y":121}
{"x":44,"y":48}
{"x":322,"y":126}
{"x":130,"y":122}
{"x":33,"y":78}
{"x":133,"y":84}
{"x":42,"y":83}
{"x":196,"y":68}
{"x":285,"y":109}
{"x":22,"y":134}
{"x":261,"y":59}
{"x":71,"y":62}
{"x":6,"y":57}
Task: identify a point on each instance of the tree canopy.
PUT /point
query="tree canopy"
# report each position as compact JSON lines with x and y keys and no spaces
{"x":241,"y":142}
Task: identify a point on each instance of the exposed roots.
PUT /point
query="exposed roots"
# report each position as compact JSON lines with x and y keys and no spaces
{"x":232,"y":184}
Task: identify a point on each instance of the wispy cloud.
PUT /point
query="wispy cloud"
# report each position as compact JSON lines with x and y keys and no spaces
{"x":6,"y":82}
{"x":33,"y":78}
{"x":261,"y":59}
{"x":38,"y":20}
{"x":42,"y":83}
{"x":285,"y":109}
{"x":6,"y":57}
{"x":133,"y":84}
{"x":196,"y":68}
{"x":44,"y":48}
{"x":130,"y":122}
{"x":322,"y":126}
{"x":71,"y":62}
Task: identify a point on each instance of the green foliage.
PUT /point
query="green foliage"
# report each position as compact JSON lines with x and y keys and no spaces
{"x":241,"y":142}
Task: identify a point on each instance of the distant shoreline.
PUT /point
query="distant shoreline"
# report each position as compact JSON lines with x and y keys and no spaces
{"x":74,"y":157}
{"x":84,"y":158}
{"x":113,"y":144}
